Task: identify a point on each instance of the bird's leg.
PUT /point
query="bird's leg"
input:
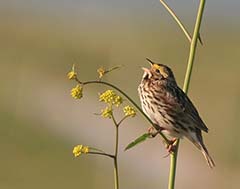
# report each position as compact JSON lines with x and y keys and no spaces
{"x":152,"y":131}
{"x":171,"y":147}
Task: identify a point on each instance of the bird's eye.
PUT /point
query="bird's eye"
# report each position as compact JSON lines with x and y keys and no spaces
{"x":157,"y":70}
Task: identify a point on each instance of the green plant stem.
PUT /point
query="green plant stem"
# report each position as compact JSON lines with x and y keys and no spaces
{"x":177,"y":20}
{"x":116,"y":176}
{"x":192,"y":52}
{"x":125,"y":117}
{"x":102,"y":154}
{"x":193,"y":46}
{"x":173,"y":165}
{"x":116,"y":179}
{"x":124,"y":94}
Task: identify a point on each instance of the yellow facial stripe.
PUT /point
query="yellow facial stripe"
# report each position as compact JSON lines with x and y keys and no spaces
{"x":156,"y":66}
{"x":161,"y":69}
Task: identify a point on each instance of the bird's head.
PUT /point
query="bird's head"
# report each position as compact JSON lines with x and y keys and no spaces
{"x":158,"y":72}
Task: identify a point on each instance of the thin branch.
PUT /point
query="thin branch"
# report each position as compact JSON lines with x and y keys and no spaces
{"x":130,"y":100}
{"x":116,"y":176}
{"x":114,"y":120}
{"x":119,"y":123}
{"x":177,"y":20}
{"x":102,"y":154}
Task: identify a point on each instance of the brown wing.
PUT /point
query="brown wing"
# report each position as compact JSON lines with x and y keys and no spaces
{"x":183,"y":106}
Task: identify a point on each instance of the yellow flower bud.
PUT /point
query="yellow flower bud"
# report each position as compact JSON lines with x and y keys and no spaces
{"x":77,"y":150}
{"x":76,"y":92}
{"x":101,"y":71}
{"x":117,"y":101}
{"x":107,"y":112}
{"x":110,"y":98}
{"x":129,"y":111}
{"x":85,"y":149}
{"x":72,"y":74}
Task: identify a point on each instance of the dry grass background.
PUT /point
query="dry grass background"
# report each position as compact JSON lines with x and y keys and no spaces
{"x":40,"y":123}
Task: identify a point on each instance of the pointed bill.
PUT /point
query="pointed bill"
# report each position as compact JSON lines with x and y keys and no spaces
{"x":150,"y":61}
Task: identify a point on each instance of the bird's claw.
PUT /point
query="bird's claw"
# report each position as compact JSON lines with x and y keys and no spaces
{"x":171,"y":147}
{"x":152,"y":132}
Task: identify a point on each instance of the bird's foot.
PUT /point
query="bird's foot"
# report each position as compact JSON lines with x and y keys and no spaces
{"x":171,"y":147}
{"x":153,"y":132}
{"x":151,"y":129}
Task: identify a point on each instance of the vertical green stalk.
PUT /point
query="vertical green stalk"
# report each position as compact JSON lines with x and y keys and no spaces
{"x":192,"y":53}
{"x":116,"y":181}
{"x":173,"y":166}
{"x":193,"y":46}
{"x":115,"y":158}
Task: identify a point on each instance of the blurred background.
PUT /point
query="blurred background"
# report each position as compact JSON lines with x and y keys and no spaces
{"x":40,"y":122}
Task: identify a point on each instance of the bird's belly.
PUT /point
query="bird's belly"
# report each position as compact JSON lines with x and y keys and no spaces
{"x":158,"y":116}
{"x":163,"y":120}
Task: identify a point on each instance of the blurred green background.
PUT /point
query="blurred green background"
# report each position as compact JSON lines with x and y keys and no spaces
{"x":40,"y":122}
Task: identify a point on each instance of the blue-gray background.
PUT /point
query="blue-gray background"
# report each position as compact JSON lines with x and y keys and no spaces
{"x":40,"y":122}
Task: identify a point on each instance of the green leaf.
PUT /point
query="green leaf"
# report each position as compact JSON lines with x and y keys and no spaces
{"x":138,"y":140}
{"x":200,"y":39}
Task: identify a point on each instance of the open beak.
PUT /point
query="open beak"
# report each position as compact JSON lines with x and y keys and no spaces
{"x":145,"y":69}
{"x":147,"y":73}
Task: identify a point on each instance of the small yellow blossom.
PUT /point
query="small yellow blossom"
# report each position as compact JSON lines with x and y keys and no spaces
{"x":107,"y":96}
{"x":129,"y":111}
{"x":85,"y":149}
{"x":107,"y":112}
{"x":72,"y":74}
{"x":79,"y":149}
{"x":117,"y":101}
{"x":76,"y":92}
{"x":110,"y":98}
{"x":101,"y":71}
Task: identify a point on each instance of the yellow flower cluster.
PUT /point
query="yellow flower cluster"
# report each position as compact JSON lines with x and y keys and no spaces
{"x":107,"y":112}
{"x":77,"y":92}
{"x":79,"y":149}
{"x":72,"y":74}
{"x":110,"y":98}
{"x":101,"y":71}
{"x":129,"y":111}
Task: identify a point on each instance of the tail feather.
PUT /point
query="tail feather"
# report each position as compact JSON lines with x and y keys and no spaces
{"x":200,"y":145}
{"x":197,"y":140}
{"x":208,"y":158}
